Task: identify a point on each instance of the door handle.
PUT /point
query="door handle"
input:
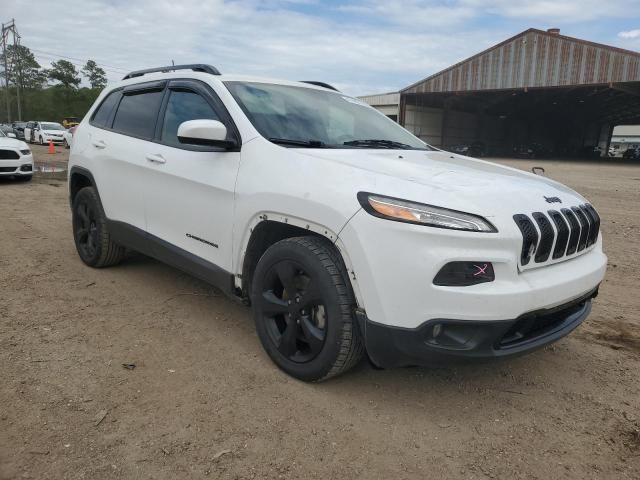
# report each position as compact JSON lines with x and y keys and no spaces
{"x":156,"y":158}
{"x":99,"y":144}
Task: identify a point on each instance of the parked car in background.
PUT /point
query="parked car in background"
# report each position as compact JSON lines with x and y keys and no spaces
{"x":8,"y":130}
{"x":68,"y":122}
{"x":68,"y":136}
{"x":42,"y":132}
{"x":591,"y":152}
{"x":475,"y":149}
{"x":632,"y":153}
{"x":18,"y":128}
{"x":28,"y":130}
{"x":531,"y":150}
{"x":16,"y":159}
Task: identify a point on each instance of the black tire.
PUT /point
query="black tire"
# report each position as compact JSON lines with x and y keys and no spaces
{"x":40,"y":140}
{"x":311,"y":334}
{"x":91,"y":233}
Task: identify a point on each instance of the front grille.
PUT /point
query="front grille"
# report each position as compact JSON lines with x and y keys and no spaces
{"x":575,"y":230}
{"x":7,"y":169}
{"x":9,"y":155}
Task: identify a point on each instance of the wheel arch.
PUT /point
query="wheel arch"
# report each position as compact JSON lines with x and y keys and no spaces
{"x":268,"y":228}
{"x":78,"y":179}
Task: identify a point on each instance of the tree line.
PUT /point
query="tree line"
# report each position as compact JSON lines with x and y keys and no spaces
{"x":47,"y":93}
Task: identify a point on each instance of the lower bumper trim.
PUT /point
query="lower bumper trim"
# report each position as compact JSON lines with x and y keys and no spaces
{"x":441,"y":341}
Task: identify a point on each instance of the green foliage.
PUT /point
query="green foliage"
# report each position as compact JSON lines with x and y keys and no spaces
{"x":97,"y":76}
{"x":65,"y":73}
{"x":23,"y":68}
{"x":49,"y":104}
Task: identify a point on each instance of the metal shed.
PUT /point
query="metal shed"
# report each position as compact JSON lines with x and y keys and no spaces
{"x":538,"y":86}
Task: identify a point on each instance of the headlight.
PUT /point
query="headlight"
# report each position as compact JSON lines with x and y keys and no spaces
{"x":419,"y":213}
{"x":25,"y":152}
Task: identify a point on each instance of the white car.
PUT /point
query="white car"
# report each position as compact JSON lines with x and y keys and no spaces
{"x":42,"y":132}
{"x":68,"y":136}
{"x":16,"y":159}
{"x":347,"y":235}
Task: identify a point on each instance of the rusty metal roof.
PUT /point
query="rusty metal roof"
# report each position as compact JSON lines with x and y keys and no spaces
{"x":535,"y":59}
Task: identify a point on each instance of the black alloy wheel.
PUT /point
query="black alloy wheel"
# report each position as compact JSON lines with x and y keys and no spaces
{"x":304,"y":309}
{"x":293,"y":312}
{"x":86,"y":229}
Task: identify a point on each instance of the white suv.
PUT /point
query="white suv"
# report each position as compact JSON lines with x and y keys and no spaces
{"x":347,"y":235}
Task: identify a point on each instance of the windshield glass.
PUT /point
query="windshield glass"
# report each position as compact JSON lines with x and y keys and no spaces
{"x":2,"y":133}
{"x":52,"y":126}
{"x":305,"y":117}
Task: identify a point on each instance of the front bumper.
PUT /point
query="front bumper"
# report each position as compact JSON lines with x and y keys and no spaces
{"x":22,"y":166}
{"x":445,"y":341}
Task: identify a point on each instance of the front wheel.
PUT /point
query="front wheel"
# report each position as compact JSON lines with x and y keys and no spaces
{"x":304,"y":309}
{"x":41,"y":140}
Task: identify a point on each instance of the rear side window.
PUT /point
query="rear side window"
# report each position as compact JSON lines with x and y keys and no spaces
{"x":184,"y":105}
{"x":103,"y":112}
{"x":137,"y":113}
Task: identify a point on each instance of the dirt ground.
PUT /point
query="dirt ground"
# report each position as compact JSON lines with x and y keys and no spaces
{"x":204,"y":400}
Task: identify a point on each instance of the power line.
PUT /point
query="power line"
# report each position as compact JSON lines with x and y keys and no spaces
{"x":103,"y":65}
{"x":80,"y":65}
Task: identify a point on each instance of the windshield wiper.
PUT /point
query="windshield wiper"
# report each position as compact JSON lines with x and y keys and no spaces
{"x":378,"y":143}
{"x":298,"y":143}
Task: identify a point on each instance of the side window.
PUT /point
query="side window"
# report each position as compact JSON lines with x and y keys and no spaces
{"x":137,"y":113}
{"x":184,"y":105}
{"x":103,"y":112}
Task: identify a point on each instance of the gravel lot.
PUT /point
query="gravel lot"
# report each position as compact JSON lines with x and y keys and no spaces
{"x":204,"y":400}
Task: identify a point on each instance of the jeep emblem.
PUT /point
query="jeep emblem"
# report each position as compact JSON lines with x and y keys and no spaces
{"x":552,"y":199}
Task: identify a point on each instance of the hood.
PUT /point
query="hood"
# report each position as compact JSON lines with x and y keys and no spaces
{"x":451,"y":181}
{"x":13,"y":143}
{"x":53,"y":132}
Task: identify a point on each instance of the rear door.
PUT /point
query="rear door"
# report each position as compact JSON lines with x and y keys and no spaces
{"x":123,"y":127}
{"x":190,"y":188}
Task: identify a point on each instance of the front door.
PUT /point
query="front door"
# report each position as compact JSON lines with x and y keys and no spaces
{"x":190,"y":188}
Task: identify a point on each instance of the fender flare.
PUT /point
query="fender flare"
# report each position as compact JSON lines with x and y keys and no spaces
{"x":304,"y":224}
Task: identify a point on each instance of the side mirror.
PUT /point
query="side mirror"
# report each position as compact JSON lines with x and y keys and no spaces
{"x":204,"y":132}
{"x":11,"y":135}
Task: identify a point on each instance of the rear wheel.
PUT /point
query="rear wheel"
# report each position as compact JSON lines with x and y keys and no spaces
{"x":91,"y":233}
{"x":304,"y":309}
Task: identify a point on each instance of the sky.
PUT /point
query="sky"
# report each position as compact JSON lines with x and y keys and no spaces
{"x":360,"y":46}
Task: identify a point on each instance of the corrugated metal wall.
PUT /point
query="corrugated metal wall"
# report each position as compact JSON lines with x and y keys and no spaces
{"x":535,"y":59}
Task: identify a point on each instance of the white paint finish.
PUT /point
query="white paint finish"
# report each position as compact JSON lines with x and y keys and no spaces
{"x":221,"y":196}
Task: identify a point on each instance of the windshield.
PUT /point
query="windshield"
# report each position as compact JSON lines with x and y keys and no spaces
{"x":2,"y":133}
{"x":306,"y":117}
{"x":52,"y":126}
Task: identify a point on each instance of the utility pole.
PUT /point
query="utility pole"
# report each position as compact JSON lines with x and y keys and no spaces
{"x":5,"y":36}
{"x":9,"y":28}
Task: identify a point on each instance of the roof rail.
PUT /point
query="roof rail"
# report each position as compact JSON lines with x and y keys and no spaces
{"x":196,"y":67}
{"x":320,"y":84}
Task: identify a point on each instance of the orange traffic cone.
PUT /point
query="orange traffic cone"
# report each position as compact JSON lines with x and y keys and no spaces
{"x":51,"y":149}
